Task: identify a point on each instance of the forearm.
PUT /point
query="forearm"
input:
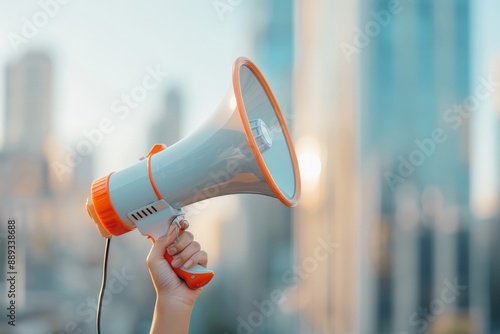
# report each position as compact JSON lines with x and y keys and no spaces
{"x":171,"y":317}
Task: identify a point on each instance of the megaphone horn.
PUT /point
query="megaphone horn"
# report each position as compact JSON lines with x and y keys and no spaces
{"x":244,"y":147}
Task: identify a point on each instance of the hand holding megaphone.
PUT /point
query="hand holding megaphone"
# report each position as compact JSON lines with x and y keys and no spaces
{"x":195,"y":276}
{"x":187,"y":253}
{"x":243,"y":148}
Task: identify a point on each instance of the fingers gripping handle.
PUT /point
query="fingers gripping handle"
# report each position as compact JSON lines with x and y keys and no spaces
{"x":196,"y":276}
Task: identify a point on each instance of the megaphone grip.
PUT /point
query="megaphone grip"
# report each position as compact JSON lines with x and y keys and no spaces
{"x":195,"y":277}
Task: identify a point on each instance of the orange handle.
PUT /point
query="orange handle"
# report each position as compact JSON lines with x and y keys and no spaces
{"x":195,"y":277}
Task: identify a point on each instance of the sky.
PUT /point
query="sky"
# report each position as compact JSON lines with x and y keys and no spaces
{"x":102,"y":50}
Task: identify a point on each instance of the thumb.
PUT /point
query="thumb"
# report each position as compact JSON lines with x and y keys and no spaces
{"x":164,"y":278}
{"x":160,"y":245}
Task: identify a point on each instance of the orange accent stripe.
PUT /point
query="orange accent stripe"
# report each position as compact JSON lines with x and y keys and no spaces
{"x":150,"y":174}
{"x":248,"y":131}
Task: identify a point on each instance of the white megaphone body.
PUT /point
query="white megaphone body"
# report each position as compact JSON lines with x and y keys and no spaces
{"x":244,"y":147}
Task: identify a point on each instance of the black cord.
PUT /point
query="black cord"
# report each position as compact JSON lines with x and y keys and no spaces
{"x":103,"y":285}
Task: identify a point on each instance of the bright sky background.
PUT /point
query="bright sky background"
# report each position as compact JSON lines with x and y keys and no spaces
{"x":101,"y":49}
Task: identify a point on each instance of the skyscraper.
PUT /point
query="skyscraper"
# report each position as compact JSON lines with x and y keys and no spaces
{"x":401,"y":238}
{"x":485,"y":180}
{"x":28,"y":103}
{"x":48,"y":219}
{"x":28,"y":125}
{"x":415,"y":78}
{"x":25,"y":173}
{"x":326,"y":222}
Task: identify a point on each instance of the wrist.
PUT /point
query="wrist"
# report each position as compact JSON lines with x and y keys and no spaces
{"x":174,"y":303}
{"x":172,"y":315}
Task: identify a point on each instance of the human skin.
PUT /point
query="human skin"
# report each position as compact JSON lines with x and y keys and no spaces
{"x":174,"y":299}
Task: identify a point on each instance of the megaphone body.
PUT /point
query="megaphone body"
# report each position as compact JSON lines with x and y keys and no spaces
{"x":244,"y":147}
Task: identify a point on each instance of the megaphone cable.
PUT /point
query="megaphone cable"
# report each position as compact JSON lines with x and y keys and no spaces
{"x":103,"y":285}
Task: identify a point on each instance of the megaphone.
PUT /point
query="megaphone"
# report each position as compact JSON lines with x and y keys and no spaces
{"x":243,"y":148}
